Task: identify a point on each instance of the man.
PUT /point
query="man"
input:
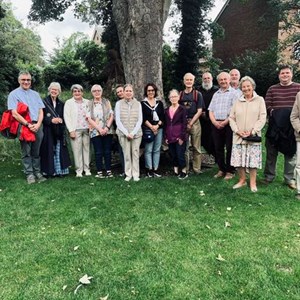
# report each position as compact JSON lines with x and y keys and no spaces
{"x":219,"y":110}
{"x":235,"y":77}
{"x":193,"y":102}
{"x":207,"y":90}
{"x":279,"y":98}
{"x":30,"y":150}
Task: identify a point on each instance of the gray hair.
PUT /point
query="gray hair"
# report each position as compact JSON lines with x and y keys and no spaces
{"x":54,"y":85}
{"x":23,"y":73}
{"x":248,"y":78}
{"x":173,"y":91}
{"x":223,"y":73}
{"x":97,"y":86}
{"x":188,"y":74}
{"x":76,"y":87}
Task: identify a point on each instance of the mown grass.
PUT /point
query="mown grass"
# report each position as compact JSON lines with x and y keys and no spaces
{"x":155,"y":239}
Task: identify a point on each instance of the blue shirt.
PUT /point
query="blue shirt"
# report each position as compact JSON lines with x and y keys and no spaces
{"x":222,"y":102}
{"x":31,"y":98}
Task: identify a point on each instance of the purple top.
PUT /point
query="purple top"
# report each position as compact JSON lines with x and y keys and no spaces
{"x":176,"y":128}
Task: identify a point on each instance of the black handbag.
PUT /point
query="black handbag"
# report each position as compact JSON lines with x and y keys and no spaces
{"x":252,"y":138}
{"x":148,"y":135}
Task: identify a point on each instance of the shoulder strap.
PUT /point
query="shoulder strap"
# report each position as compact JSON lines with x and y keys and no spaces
{"x":195,"y":95}
{"x":54,"y":113}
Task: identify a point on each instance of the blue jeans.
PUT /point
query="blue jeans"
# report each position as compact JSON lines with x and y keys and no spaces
{"x":102,"y":147}
{"x":178,"y":154}
{"x":152,"y":151}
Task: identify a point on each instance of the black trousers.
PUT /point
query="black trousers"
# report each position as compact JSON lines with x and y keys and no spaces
{"x":223,"y":138}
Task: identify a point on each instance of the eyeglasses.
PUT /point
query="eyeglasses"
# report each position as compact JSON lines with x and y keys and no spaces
{"x":26,"y":80}
{"x":150,"y":90}
{"x":94,"y":91}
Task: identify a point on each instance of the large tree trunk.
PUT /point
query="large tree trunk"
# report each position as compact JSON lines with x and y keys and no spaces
{"x":140,"y":28}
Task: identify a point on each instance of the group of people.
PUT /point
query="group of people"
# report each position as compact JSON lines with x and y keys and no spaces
{"x":227,"y":121}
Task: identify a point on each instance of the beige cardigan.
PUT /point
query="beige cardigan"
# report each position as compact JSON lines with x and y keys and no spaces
{"x":295,"y":117}
{"x":247,"y":116}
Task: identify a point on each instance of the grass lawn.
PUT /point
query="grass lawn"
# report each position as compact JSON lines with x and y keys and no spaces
{"x":154,"y":239}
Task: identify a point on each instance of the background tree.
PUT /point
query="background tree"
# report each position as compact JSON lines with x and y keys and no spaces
{"x":20,"y":49}
{"x":191,"y":44}
{"x":76,"y":60}
{"x":140,"y":30}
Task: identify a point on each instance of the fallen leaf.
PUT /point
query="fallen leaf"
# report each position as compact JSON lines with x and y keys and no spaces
{"x":219,"y":273}
{"x":94,"y":207}
{"x":229,"y":208}
{"x":104,"y":298}
{"x":207,"y":226}
{"x":64,"y":287}
{"x":92,"y":183}
{"x":85,"y":279}
{"x":76,"y":248}
{"x":220,"y":258}
{"x":227,"y":224}
{"x":0,"y":190}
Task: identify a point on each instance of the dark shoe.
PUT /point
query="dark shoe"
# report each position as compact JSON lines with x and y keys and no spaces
{"x":183,"y":176}
{"x":150,"y":174}
{"x":156,"y":174}
{"x":100,"y":175}
{"x":266,"y":182}
{"x":40,"y":177}
{"x":109,"y":174}
{"x":30,"y":179}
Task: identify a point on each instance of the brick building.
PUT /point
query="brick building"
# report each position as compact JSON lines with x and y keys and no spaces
{"x":248,"y":25}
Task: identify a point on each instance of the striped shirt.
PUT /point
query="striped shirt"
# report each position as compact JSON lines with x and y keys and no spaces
{"x":281,"y":96}
{"x":222,"y":102}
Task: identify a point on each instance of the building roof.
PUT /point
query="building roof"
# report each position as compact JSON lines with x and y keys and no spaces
{"x":221,"y":11}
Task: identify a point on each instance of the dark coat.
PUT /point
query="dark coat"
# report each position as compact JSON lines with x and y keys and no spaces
{"x":280,"y":131}
{"x":176,"y":128}
{"x":53,"y":133}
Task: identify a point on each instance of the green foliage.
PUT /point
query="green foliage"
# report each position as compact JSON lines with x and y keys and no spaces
{"x":20,"y":49}
{"x":75,"y":60}
{"x":93,"y":57}
{"x":260,"y":65}
{"x":168,"y":69}
{"x":191,"y":44}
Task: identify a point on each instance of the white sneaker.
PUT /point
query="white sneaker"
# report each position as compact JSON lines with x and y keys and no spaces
{"x":88,"y":173}
{"x":127,"y":178}
{"x":136,"y":179}
{"x":78,"y":175}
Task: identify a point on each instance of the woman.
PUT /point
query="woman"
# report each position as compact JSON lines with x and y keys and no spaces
{"x":55,"y":160}
{"x":176,"y":133}
{"x":129,"y":118}
{"x":101,"y":118}
{"x":75,"y":115}
{"x":247,"y":118}
{"x":153,"y":119}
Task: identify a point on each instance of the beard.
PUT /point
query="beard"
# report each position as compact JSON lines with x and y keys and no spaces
{"x":207,"y":86}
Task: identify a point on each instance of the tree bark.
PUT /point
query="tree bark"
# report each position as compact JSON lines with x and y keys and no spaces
{"x":140,"y":28}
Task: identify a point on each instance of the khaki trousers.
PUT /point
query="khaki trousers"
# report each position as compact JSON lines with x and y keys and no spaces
{"x":131,"y":151}
{"x":195,"y":142}
{"x":81,"y":151}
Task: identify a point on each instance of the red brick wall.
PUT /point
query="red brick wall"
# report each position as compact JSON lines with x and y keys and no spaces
{"x":244,"y":29}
